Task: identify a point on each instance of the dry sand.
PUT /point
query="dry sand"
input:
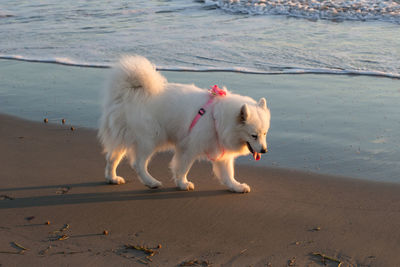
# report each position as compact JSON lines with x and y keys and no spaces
{"x":54,"y":174}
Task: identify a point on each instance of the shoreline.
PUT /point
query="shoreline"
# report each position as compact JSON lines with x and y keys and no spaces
{"x":283,"y":71}
{"x":54,"y":174}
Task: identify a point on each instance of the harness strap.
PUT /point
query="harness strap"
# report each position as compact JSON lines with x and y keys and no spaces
{"x":201,"y":112}
{"x":215,"y":91}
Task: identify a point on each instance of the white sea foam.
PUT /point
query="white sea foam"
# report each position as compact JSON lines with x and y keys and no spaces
{"x":276,"y":71}
{"x":386,"y":10}
{"x":56,"y":60}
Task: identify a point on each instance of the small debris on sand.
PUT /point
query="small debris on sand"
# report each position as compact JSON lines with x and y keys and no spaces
{"x":63,"y":237}
{"x":20,"y":246}
{"x":292,"y":262}
{"x":149,"y":251}
{"x":59,"y":235}
{"x":325,"y":257}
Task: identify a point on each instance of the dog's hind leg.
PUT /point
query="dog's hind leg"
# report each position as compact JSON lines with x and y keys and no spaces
{"x":180,"y":166}
{"x":113,"y":158}
{"x":224,"y":170}
{"x":143,"y":156}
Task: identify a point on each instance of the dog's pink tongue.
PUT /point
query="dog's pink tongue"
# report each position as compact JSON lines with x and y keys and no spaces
{"x":256,"y":156}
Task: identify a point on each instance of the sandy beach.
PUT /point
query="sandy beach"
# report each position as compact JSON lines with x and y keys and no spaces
{"x":52,"y":174}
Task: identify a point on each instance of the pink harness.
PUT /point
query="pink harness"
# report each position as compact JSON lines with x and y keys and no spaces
{"x":214,"y":92}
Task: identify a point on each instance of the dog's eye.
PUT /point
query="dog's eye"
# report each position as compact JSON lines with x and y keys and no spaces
{"x":254,"y":136}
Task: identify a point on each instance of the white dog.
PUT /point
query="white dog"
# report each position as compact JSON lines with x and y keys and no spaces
{"x":143,"y":114}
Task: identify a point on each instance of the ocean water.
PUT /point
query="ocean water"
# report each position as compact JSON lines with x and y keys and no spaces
{"x":256,"y":36}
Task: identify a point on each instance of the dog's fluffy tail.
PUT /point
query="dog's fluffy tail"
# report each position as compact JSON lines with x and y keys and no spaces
{"x":137,"y":73}
{"x":133,"y":80}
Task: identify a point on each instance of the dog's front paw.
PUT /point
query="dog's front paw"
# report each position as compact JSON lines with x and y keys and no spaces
{"x":115,"y":180}
{"x":241,"y":188}
{"x":186,"y":186}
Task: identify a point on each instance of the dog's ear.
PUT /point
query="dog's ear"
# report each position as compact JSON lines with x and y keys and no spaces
{"x":244,"y":113}
{"x":262,"y":103}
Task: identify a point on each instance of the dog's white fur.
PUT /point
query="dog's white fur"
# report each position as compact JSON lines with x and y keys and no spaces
{"x":143,"y":114}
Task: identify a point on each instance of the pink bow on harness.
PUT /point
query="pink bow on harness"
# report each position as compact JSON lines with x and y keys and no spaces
{"x":216,"y":91}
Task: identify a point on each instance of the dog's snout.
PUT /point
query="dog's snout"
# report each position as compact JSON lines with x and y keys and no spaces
{"x":264,"y":150}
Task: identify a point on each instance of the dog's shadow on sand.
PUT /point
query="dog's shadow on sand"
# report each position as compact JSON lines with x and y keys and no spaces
{"x":68,"y":197}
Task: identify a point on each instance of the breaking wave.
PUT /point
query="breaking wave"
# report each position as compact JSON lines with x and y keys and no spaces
{"x":337,"y":10}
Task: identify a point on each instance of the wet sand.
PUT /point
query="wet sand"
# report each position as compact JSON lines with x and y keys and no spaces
{"x":50,"y":173}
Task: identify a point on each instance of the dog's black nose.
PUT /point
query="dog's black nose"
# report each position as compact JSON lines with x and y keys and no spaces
{"x":264,"y":150}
